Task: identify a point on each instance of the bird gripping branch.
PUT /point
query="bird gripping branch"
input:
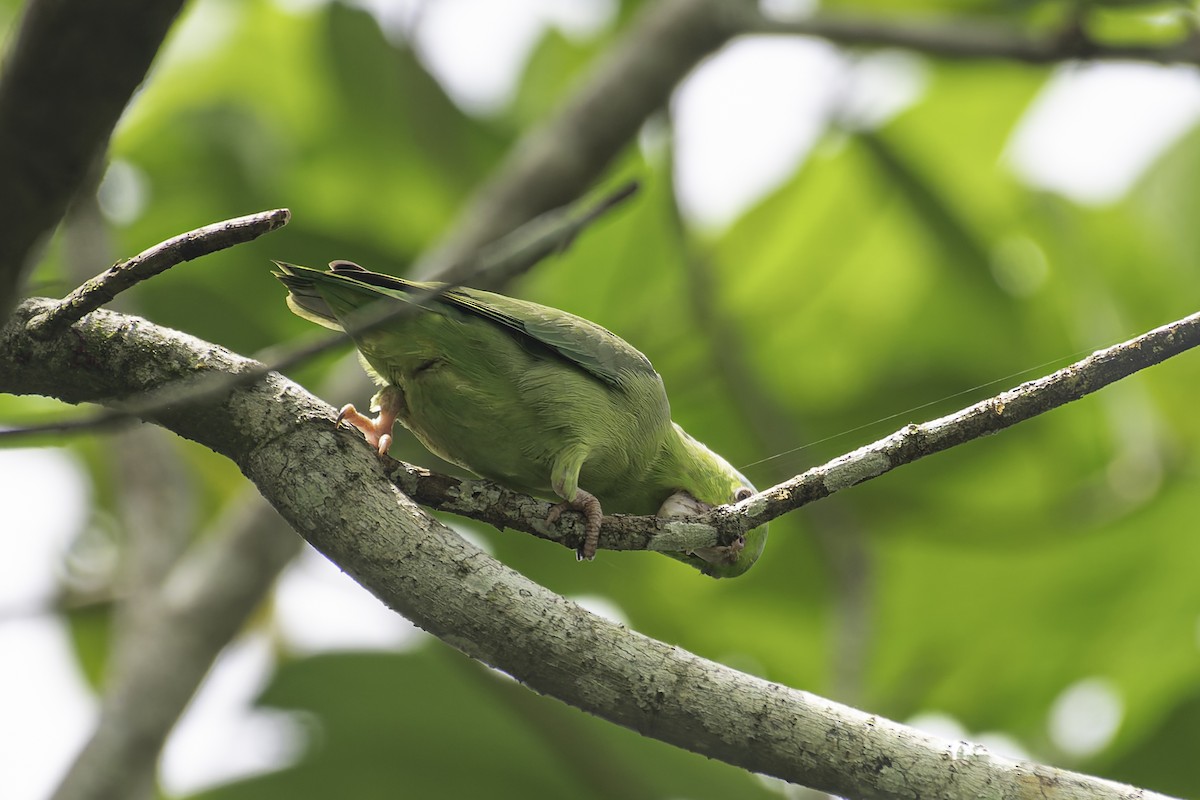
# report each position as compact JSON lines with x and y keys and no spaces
{"x":531,"y":397}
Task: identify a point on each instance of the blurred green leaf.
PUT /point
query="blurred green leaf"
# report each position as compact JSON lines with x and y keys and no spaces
{"x":90,"y":628}
{"x":432,"y":724}
{"x":557,"y":64}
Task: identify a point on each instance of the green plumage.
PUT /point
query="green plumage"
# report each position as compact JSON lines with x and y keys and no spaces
{"x":531,"y":397}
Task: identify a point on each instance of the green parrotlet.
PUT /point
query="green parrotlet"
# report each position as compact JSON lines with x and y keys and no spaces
{"x":534,"y":398}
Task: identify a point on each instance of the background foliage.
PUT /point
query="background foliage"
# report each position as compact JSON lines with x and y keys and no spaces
{"x":899,"y":268}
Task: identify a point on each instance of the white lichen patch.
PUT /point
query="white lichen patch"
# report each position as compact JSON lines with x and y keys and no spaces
{"x":856,"y":470}
{"x":758,"y":503}
{"x":679,"y":536}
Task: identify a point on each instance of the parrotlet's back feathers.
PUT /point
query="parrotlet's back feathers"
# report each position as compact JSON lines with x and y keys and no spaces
{"x":532,"y":397}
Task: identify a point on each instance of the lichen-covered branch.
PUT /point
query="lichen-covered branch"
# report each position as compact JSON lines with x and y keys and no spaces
{"x":1006,"y":409}
{"x":493,"y":504}
{"x":336,"y":494}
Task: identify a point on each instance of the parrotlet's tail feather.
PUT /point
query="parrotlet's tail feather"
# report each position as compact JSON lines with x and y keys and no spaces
{"x":303,"y":298}
{"x":327,"y":297}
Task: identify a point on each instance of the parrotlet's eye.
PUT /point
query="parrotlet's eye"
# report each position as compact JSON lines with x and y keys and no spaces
{"x":742,"y":493}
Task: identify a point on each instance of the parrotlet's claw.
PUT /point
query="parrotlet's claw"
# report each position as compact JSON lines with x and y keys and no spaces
{"x":378,"y":431}
{"x":587,"y":504}
{"x":683,"y":504}
{"x":722,"y":555}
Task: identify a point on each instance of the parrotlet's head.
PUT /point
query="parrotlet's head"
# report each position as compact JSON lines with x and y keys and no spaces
{"x":712,"y":481}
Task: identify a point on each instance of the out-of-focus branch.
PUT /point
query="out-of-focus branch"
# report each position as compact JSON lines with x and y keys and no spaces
{"x":557,"y":161}
{"x":199,"y":607}
{"x":67,"y":75}
{"x":968,"y":39}
{"x":333,"y":491}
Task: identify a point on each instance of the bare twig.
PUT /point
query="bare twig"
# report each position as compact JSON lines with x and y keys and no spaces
{"x":1006,"y":409}
{"x":512,"y":255}
{"x":184,"y":247}
{"x":67,"y":75}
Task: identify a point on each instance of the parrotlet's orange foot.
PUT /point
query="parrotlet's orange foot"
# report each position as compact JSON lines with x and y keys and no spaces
{"x":587,"y":504}
{"x":378,"y":430}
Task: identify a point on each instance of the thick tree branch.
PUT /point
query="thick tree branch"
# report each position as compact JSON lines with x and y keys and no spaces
{"x":67,"y":76}
{"x":335,"y":493}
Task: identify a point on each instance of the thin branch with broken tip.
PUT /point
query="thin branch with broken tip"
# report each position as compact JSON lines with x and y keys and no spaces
{"x":519,"y":251}
{"x":98,"y":291}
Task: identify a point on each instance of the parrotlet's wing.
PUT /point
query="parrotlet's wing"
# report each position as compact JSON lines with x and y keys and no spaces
{"x":581,"y":342}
